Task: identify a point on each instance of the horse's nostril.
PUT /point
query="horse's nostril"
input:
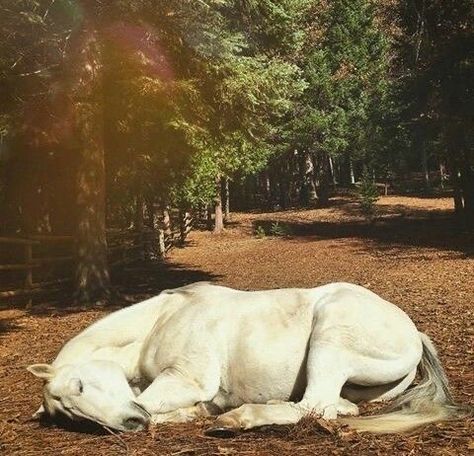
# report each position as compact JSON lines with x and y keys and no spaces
{"x":135,"y":423}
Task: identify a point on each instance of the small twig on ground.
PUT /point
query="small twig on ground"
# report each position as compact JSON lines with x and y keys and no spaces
{"x":119,"y":438}
{"x":188,"y":450}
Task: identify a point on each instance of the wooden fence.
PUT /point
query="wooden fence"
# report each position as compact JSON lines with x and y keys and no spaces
{"x":28,"y":263}
{"x":38,"y":264}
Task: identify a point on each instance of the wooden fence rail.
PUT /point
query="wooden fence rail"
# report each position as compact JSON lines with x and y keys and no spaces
{"x":31,"y":263}
{"x":34,"y":268}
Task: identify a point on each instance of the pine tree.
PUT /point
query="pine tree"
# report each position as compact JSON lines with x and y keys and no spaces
{"x":368,"y":195}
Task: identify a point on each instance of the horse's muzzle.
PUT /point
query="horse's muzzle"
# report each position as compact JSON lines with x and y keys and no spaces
{"x":139,"y":421}
{"x":135,"y":423}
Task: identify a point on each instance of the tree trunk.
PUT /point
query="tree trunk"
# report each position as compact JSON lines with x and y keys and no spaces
{"x":267,"y":193}
{"x":351,"y":167}
{"x":323,"y":190}
{"x":226,"y":197}
{"x":311,"y":178}
{"x":92,"y":274}
{"x":167,"y":231}
{"x":209,"y":211}
{"x":333,"y":171}
{"x":457,"y":194}
{"x":467,"y":186}
{"x":293,"y":177}
{"x":155,"y":247}
{"x":184,"y":218}
{"x":284,"y":187}
{"x":426,"y":171}
{"x":307,"y":179}
{"x":442,"y":174}
{"x":218,"y":214}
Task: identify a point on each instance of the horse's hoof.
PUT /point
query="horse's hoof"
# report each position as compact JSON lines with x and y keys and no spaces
{"x":222,"y":432}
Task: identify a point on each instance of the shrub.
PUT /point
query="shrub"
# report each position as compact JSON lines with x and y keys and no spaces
{"x":260,"y":232}
{"x":279,"y":230}
{"x":368,"y":195}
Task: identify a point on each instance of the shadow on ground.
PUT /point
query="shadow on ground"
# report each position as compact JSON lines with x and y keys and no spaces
{"x":149,"y":278}
{"x":133,"y":283}
{"x":8,"y":325}
{"x":66,"y":424}
{"x":397,"y":228}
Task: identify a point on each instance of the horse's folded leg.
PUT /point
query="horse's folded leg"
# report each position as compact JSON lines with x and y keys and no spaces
{"x":226,"y":426}
{"x":39,"y":413}
{"x":249,"y":416}
{"x":345,"y":407}
{"x":182,"y":415}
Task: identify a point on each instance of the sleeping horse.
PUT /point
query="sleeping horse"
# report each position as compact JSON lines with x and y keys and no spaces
{"x":252,"y":358}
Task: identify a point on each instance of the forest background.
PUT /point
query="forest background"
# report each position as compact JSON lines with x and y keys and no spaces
{"x":114,"y":112}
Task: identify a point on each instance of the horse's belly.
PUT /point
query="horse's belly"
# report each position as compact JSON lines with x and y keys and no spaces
{"x":268,"y":368}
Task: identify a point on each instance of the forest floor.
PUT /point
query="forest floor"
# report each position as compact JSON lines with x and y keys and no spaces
{"x":412,"y":256}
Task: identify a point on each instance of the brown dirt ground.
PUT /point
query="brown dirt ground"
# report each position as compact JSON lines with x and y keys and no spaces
{"x":412,"y":256}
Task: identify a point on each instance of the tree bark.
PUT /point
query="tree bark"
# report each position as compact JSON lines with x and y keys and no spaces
{"x":155,"y":247}
{"x":424,"y":163}
{"x":218,"y":214}
{"x":209,"y":211}
{"x":467,"y":186}
{"x":333,"y":171}
{"x":442,"y":174}
{"x":184,"y":220}
{"x":284,"y":187}
{"x":167,"y":222}
{"x":351,"y":168}
{"x":226,"y":198}
{"x":457,"y":194}
{"x":92,"y":274}
{"x":323,"y":190}
{"x":267,"y":189}
{"x":307,"y":179}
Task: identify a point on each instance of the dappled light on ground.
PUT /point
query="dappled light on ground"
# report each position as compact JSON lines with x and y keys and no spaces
{"x":410,"y":261}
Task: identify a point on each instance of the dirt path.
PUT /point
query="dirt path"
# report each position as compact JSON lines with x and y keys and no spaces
{"x":412,"y":256}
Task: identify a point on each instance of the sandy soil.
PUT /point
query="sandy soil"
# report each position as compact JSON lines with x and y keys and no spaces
{"x":413,"y":256}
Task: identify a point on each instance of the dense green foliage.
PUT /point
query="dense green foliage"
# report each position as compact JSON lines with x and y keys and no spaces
{"x":340,"y":115}
{"x":368,"y":194}
{"x":193,"y":90}
{"x":184,"y":95}
{"x":437,"y":59}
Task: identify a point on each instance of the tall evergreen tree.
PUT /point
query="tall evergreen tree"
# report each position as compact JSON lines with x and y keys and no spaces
{"x":345,"y":66}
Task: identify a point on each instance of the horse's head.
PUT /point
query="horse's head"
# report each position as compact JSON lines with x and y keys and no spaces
{"x":95,"y":390}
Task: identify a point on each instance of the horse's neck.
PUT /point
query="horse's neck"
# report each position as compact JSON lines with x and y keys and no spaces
{"x":118,"y":337}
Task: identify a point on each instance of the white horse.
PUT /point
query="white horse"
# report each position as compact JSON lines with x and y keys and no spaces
{"x":262,"y":357}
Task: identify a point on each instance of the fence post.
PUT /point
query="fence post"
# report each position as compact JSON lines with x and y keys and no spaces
{"x":161,"y":243}
{"x":183,"y":225}
{"x":167,"y":232}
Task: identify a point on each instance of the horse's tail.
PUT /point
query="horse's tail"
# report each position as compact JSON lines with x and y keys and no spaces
{"x":428,"y":402}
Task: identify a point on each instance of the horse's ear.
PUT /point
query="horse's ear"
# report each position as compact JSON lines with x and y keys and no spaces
{"x":45,"y":371}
